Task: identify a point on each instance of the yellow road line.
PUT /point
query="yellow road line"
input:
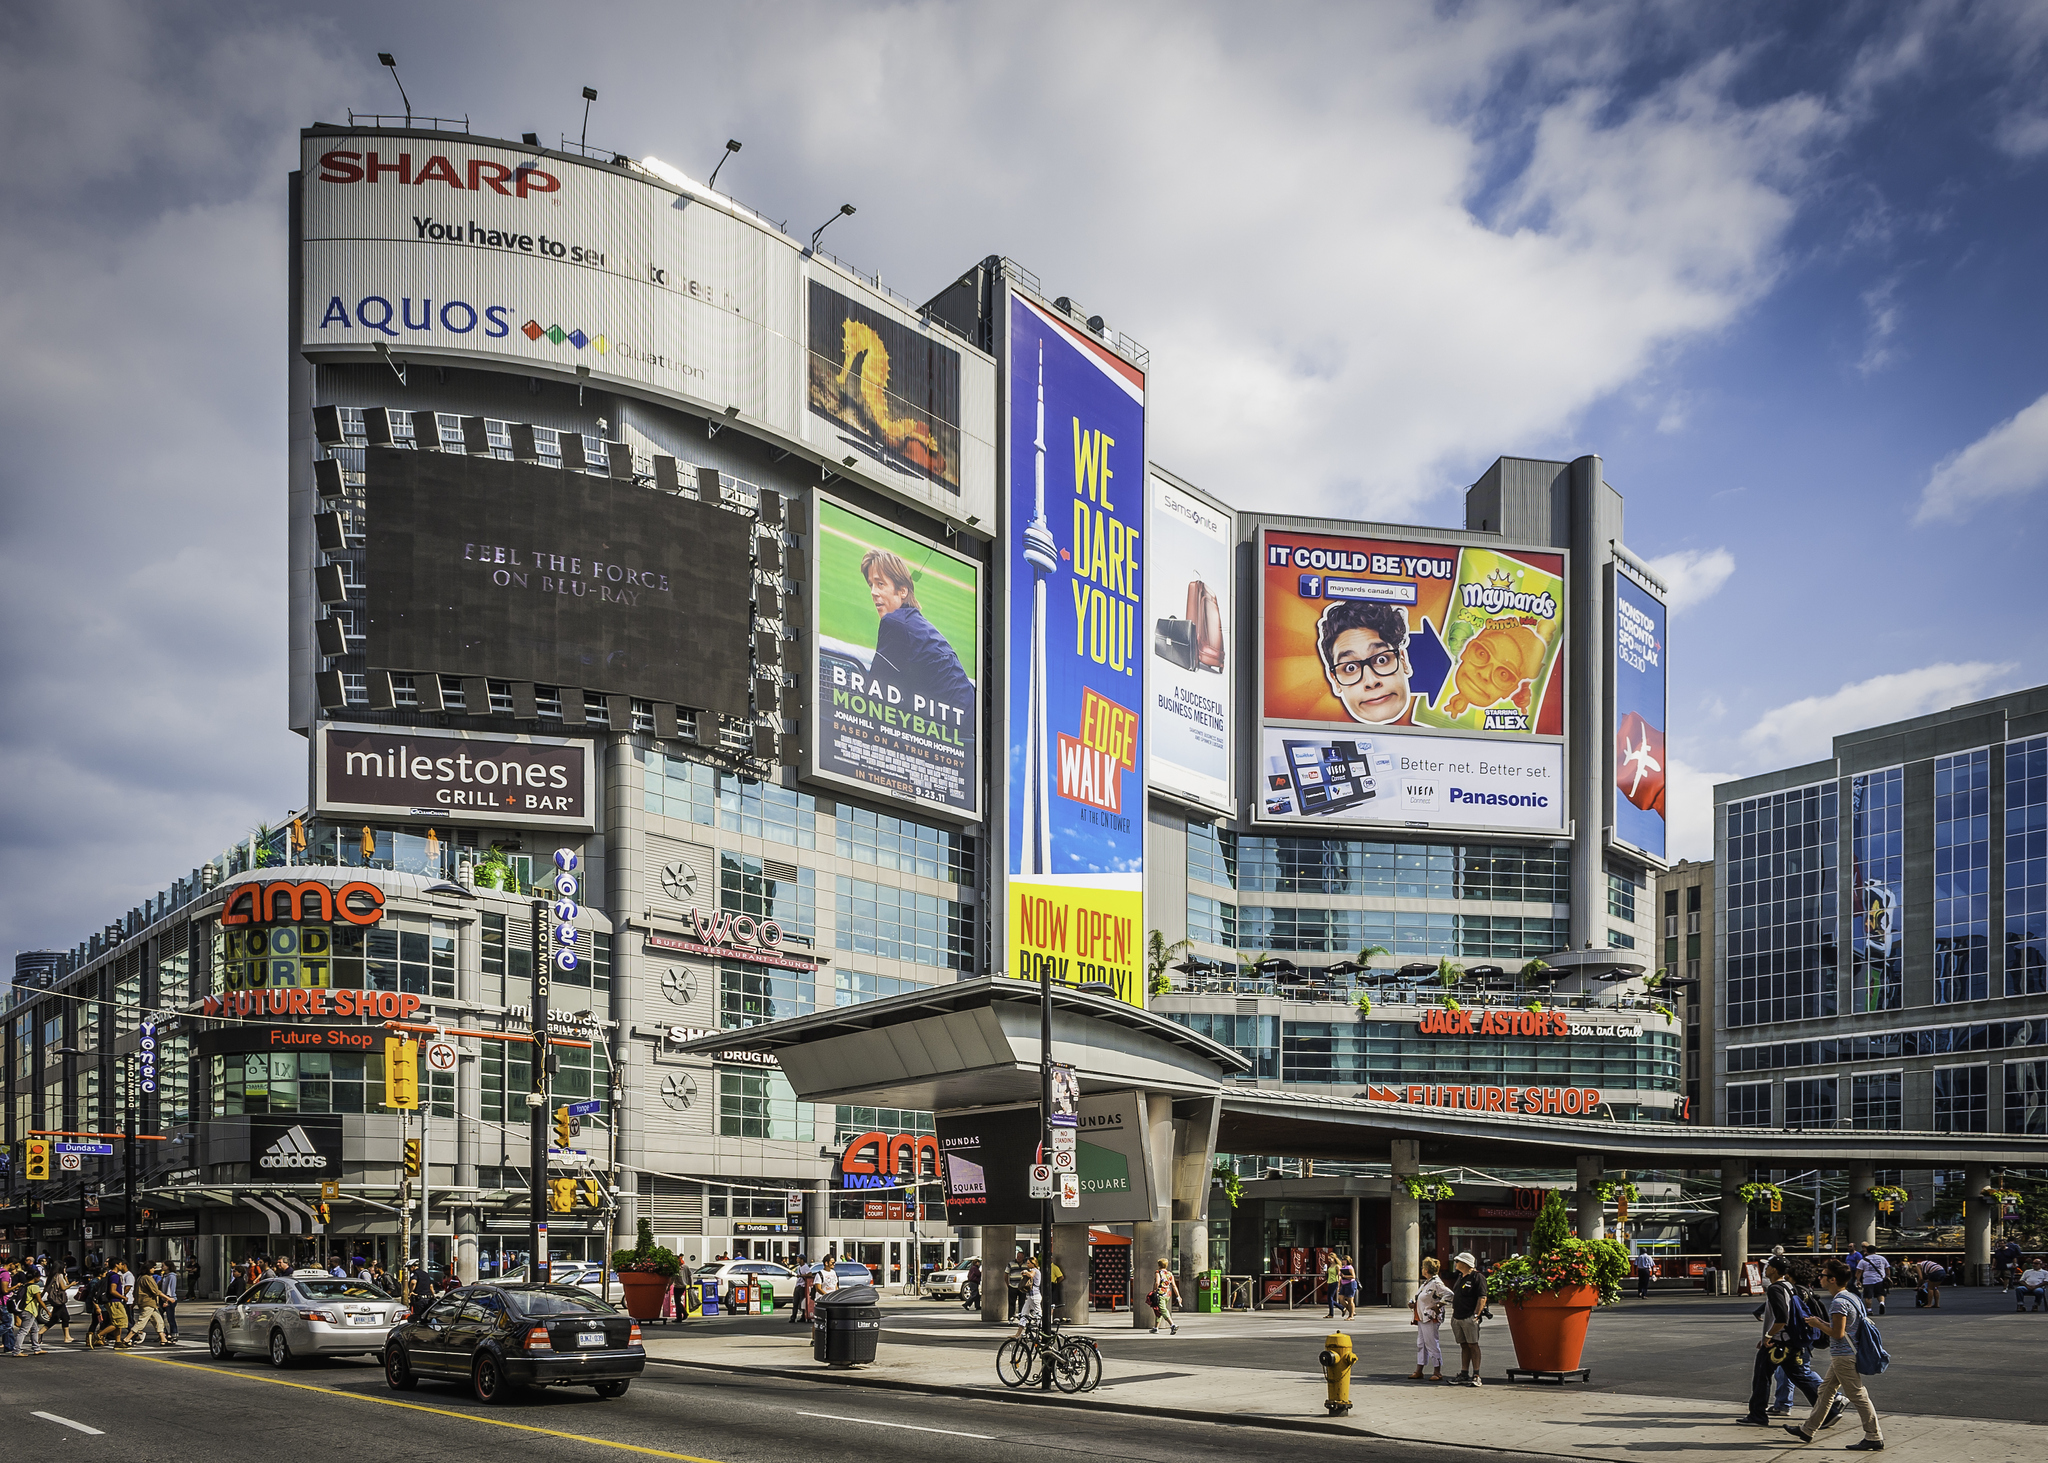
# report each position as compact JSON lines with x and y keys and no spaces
{"x":417,"y":1407}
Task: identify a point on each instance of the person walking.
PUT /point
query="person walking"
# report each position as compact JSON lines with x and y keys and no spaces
{"x":112,"y":1311}
{"x":10,"y":1313}
{"x":150,"y":1301}
{"x":60,"y":1298}
{"x":1845,"y":1314}
{"x":1646,"y":1268}
{"x":1428,"y":1308}
{"x":970,"y":1289}
{"x":167,"y":1282}
{"x":799,"y":1311}
{"x":1782,"y":1350}
{"x":1347,"y":1288}
{"x":1015,"y":1280}
{"x":1333,"y":1276}
{"x":1875,"y":1272}
{"x":35,"y":1312}
{"x":1468,"y":1309}
{"x":1029,"y":1308}
{"x":2007,"y":1257}
{"x":1165,"y":1295}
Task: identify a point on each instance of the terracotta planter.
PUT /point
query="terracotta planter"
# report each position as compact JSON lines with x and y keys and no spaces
{"x":1549,"y":1327}
{"x":644,"y":1290}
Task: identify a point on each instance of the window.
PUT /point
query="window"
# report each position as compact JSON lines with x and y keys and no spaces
{"x":1212,"y":855}
{"x":355,"y":690}
{"x":679,"y":788}
{"x":751,"y":995}
{"x":1257,"y":1038}
{"x":2026,"y":1097}
{"x":1671,"y":911}
{"x":1385,"y":870}
{"x":1749,"y":1104}
{"x":1962,"y":1101}
{"x":760,"y":1105}
{"x":1811,"y":1103}
{"x":1962,"y":877}
{"x":1877,"y":906}
{"x":1781,"y":906}
{"x":2026,"y":867}
{"x":898,"y":843}
{"x":500,"y":695}
{"x":900,"y":924}
{"x":1889,"y":1046}
{"x":849,"y":1122}
{"x":1874,"y":1101}
{"x":767,"y":810}
{"x":643,"y":715}
{"x":300,"y":1082}
{"x":405,"y":691}
{"x":851,"y":987}
{"x":770,"y":890}
{"x":1621,"y":897}
{"x":547,"y":701}
{"x":1692,"y":902}
{"x":1211,"y":921}
{"x":410,"y":955}
{"x":1323,"y":1051}
{"x":451,"y":693}
{"x":1616,"y":940}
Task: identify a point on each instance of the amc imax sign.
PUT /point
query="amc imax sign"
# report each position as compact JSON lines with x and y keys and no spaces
{"x":454,"y":777}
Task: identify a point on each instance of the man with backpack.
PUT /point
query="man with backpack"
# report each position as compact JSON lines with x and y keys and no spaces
{"x":1784,"y":1346}
{"x":1875,"y":1271}
{"x":1854,"y":1351}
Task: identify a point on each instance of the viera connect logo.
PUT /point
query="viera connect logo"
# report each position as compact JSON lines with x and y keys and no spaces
{"x":293,"y":1150}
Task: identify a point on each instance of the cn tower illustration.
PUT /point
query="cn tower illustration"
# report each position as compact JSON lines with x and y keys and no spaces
{"x":1042,"y":554}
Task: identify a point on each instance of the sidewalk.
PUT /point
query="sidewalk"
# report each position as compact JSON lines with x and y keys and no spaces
{"x":932,"y":1350}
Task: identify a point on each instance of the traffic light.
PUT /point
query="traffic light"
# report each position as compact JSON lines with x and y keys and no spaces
{"x":564,"y":1128}
{"x":401,"y":1072}
{"x":412,"y":1158}
{"x":1777,"y":1204}
{"x":38,"y":1160}
{"x":561,"y":1195}
{"x":321,"y":1210}
{"x":593,"y":1193}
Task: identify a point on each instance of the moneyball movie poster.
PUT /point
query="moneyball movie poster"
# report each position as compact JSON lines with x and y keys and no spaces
{"x":1074,"y":535}
{"x":898,"y":633}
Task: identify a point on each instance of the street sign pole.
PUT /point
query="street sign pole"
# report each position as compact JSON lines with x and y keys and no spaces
{"x":426,"y":1213}
{"x":128,"y":1151}
{"x":537,"y":1269}
{"x":1045,"y":1147}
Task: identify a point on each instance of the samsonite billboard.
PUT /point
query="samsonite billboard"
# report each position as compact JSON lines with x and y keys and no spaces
{"x":1191,"y":614}
{"x":530,"y":262}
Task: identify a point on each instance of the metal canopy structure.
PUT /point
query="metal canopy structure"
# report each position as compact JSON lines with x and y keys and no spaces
{"x":1305,"y":1125}
{"x":975,"y":1044}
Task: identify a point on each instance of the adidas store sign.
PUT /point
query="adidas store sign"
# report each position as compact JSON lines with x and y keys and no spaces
{"x":293,"y":1150}
{"x":301,"y":1148}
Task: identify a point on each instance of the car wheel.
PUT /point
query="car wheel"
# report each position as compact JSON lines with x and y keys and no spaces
{"x":280,"y":1349}
{"x":217,"y":1344}
{"x":487,"y":1379}
{"x":398,"y":1371}
{"x":609,"y":1390}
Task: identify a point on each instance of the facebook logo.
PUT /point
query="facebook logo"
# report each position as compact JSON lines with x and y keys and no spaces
{"x":1311,"y":586}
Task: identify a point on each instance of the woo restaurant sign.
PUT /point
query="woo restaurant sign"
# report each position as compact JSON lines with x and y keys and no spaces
{"x":731,"y":937}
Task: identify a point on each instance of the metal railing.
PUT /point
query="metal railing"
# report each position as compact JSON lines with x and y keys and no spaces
{"x":1341,"y":994}
{"x":430,"y":124}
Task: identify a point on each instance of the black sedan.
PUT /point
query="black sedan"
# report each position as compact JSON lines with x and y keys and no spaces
{"x":500,"y":1338}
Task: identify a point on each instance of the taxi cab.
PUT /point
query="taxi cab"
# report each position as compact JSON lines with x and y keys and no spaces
{"x":288,"y":1318}
{"x":497,"y":1339}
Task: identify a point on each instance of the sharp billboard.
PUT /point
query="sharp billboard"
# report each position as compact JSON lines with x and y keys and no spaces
{"x":1192,"y":613}
{"x":896,"y":706}
{"x":479,"y":567}
{"x":1405,"y":682}
{"x":536,"y":263}
{"x":1075,"y":549}
{"x":1639,"y":716}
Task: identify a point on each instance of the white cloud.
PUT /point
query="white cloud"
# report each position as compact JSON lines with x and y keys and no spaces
{"x":1881,"y":304}
{"x":1692,"y":576}
{"x":1689,"y":809}
{"x":1804,"y":731}
{"x":2009,"y":461}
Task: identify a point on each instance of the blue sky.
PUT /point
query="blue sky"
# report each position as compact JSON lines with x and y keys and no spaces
{"x":1778,"y":263}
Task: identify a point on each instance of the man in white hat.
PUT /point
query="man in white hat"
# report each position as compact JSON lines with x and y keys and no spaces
{"x":1468,"y":1308}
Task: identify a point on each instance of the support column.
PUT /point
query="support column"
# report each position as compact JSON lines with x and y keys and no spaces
{"x":1862,"y":1208}
{"x":1404,"y":1226}
{"x":1977,"y":1212}
{"x":998,"y":1249}
{"x":1592,"y":1218}
{"x":1070,"y":1253}
{"x":817,"y":1218}
{"x":1358,"y":1252}
{"x":1194,"y":1254}
{"x":1734,"y":1221}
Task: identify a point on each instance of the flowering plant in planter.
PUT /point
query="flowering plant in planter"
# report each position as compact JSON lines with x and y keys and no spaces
{"x":1552,"y":1290}
{"x":646,"y":1257}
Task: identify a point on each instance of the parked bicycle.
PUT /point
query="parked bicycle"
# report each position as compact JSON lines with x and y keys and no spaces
{"x":1075,"y":1361}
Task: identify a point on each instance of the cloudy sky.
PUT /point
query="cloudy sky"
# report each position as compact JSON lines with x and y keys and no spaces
{"x":1779,"y":264}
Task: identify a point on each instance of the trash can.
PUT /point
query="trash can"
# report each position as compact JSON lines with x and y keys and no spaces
{"x":846,"y":1326}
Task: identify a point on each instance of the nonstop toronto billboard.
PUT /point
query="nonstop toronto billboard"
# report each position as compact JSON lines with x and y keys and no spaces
{"x":479,"y":567}
{"x":1191,"y":612}
{"x":509,"y":258}
{"x":1074,"y":539}
{"x":1410,"y":682}
{"x":896,"y":710}
{"x":1639,"y":712}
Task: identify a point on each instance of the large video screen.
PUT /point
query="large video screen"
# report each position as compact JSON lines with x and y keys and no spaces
{"x":897,"y":706}
{"x":481,"y":567}
{"x":1192,"y":617}
{"x":1639,"y":704}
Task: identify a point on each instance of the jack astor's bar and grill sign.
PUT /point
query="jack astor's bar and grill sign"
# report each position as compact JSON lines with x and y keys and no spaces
{"x":453,"y":777}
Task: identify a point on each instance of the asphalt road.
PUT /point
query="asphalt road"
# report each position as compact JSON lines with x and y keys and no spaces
{"x":1971,"y":1358}
{"x":180,"y":1407}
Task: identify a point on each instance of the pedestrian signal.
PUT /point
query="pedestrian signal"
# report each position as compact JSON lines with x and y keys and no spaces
{"x":412,"y":1158}
{"x":565,"y":1127}
{"x":401,"y":1072}
{"x":38,"y":1160}
{"x":561,"y":1195}
{"x":593,"y":1193}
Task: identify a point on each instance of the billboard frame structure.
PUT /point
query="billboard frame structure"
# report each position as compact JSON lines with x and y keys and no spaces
{"x":1254,"y":812}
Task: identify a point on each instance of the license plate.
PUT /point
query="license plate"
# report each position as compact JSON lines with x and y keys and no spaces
{"x":590,"y":1338}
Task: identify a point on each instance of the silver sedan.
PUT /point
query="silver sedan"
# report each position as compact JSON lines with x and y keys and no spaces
{"x":286,"y":1319}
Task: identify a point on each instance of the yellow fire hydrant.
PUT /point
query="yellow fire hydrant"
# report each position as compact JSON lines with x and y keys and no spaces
{"x":1336,"y":1360}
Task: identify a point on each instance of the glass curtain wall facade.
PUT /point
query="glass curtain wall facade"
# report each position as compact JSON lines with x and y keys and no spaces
{"x":1780,"y":899}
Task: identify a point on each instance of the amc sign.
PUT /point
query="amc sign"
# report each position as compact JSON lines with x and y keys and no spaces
{"x":880,"y":1160}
